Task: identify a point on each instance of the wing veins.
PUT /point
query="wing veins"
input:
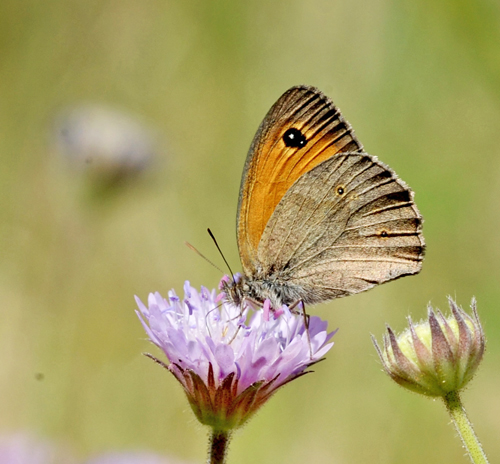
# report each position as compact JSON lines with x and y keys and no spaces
{"x":311,"y":212}
{"x":312,"y":226}
{"x":356,"y":227}
{"x":349,"y":260}
{"x":385,"y":208}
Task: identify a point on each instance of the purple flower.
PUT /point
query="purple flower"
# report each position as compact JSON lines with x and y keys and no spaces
{"x":230,"y":360}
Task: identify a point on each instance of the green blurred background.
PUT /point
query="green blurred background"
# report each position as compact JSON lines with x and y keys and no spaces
{"x":420,"y":83}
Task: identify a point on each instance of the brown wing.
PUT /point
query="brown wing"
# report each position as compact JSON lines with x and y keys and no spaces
{"x":301,"y":130}
{"x":345,"y":226}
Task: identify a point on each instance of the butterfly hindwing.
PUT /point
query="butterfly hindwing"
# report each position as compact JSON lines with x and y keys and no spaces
{"x":345,"y":226}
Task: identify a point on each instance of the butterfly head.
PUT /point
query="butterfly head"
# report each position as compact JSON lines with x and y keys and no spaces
{"x":234,"y":288}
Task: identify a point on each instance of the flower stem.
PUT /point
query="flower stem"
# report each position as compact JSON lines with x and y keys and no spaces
{"x":219,"y":441}
{"x":464,"y":428}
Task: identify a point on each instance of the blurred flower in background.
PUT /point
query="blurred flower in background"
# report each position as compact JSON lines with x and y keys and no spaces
{"x":21,"y":448}
{"x":24,"y":448}
{"x":104,"y":142}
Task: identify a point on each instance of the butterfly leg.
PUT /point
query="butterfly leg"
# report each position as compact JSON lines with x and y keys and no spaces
{"x":306,"y":322}
{"x":240,"y":316}
{"x":208,"y":313}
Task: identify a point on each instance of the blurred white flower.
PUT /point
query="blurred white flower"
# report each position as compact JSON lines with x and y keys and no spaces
{"x":103,"y":140}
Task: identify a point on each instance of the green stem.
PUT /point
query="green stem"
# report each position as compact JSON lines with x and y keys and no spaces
{"x":464,"y":428}
{"x":219,"y":441}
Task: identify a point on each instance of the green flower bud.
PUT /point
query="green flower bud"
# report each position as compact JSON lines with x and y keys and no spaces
{"x":437,"y":356}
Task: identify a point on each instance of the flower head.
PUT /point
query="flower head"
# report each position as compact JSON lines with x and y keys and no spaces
{"x":230,"y":360}
{"x":437,"y":356}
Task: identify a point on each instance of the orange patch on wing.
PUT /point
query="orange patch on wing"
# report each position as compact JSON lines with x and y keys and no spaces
{"x":272,"y":167}
{"x":275,"y":173}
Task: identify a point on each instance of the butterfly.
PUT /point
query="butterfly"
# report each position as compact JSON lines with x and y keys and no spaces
{"x":318,"y":217}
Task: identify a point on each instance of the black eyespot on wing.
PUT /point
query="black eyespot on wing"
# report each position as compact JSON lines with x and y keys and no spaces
{"x":294,"y":138}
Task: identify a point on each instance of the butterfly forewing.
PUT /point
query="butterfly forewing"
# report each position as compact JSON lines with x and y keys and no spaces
{"x":302,"y":129}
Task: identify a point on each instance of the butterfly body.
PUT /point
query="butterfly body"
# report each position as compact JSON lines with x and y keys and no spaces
{"x":264,"y":285}
{"x":318,"y":218}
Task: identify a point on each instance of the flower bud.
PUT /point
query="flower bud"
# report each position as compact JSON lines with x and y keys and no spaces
{"x":436,"y":356}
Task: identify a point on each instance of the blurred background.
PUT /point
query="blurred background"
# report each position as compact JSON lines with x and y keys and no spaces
{"x":124,"y":126}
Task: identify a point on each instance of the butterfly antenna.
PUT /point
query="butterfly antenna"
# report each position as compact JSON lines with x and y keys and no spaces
{"x":220,"y":251}
{"x":204,"y":257}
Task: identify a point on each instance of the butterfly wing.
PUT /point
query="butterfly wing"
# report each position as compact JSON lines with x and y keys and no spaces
{"x":347,"y":225}
{"x":301,"y":130}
